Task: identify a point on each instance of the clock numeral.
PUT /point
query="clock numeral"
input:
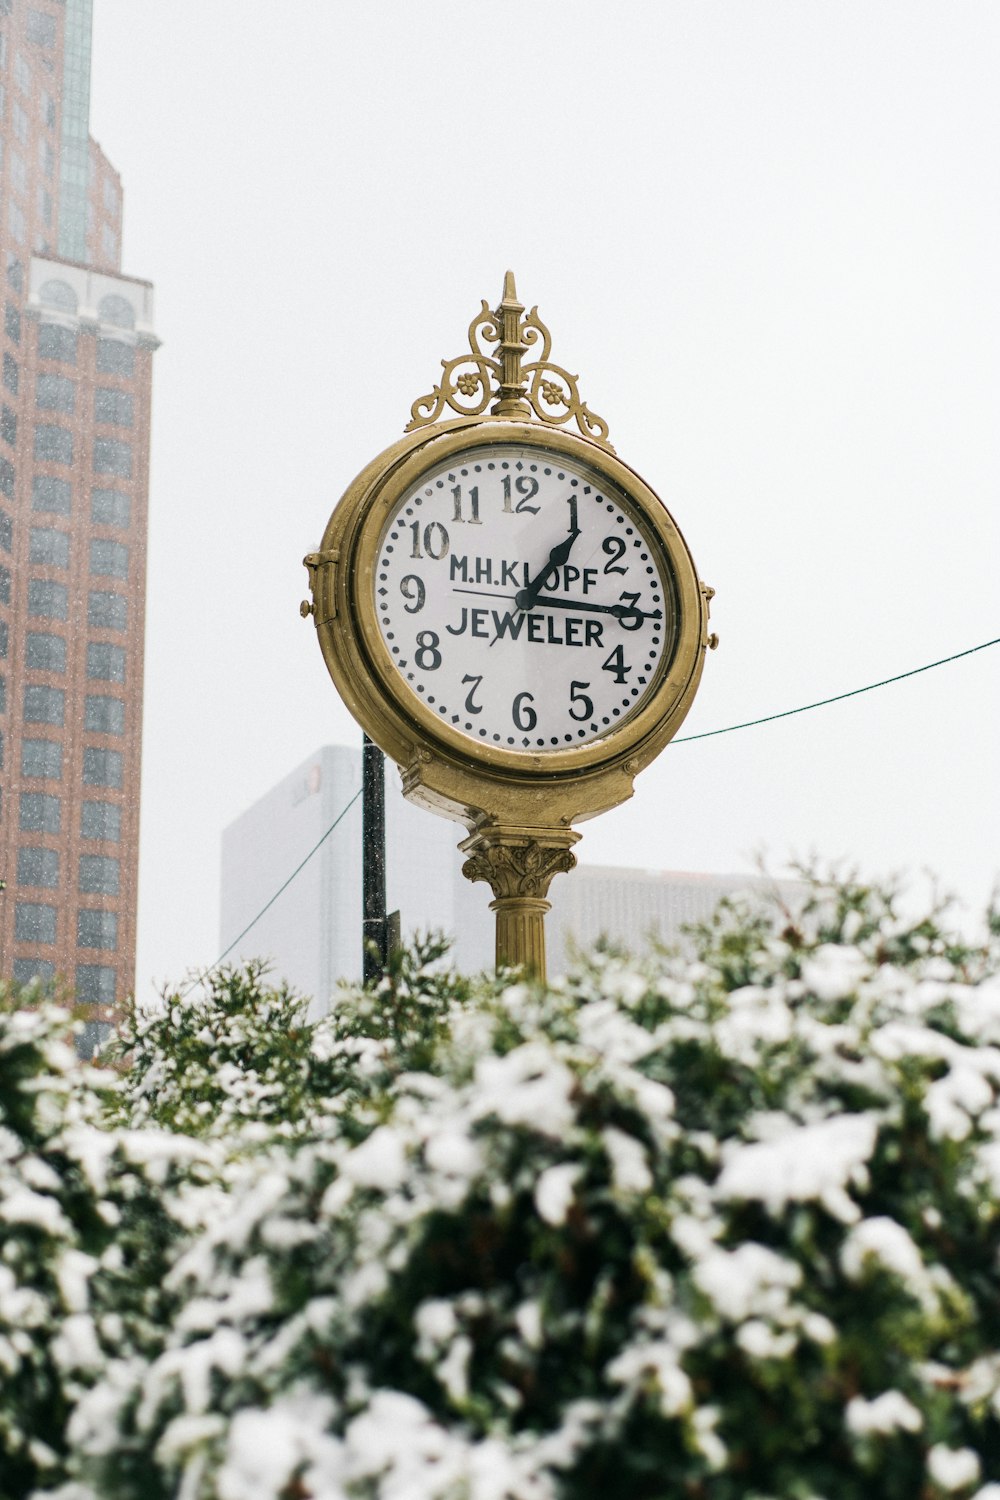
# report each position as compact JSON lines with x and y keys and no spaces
{"x":411,"y":587}
{"x":436,"y":540}
{"x":527,"y":489}
{"x":616,"y":663}
{"x":615,"y":549}
{"x":633,"y":620}
{"x":571,"y":502}
{"x":470,"y":707}
{"x":427,"y":656}
{"x":523,"y":714}
{"x":579,"y":699}
{"x":456,"y":496}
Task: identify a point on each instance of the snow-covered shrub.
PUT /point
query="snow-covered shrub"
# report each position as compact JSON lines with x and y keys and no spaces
{"x":715,"y":1229}
{"x":237,"y":1055}
{"x":84,"y":1235}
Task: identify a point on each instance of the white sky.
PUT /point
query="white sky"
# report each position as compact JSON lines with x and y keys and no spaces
{"x":767,"y":237}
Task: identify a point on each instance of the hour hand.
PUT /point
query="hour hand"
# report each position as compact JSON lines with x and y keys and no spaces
{"x":528,"y":596}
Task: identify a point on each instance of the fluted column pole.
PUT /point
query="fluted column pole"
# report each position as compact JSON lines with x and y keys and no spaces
{"x":519,"y":863}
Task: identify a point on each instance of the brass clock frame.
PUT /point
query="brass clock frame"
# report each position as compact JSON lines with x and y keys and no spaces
{"x":519,"y":806}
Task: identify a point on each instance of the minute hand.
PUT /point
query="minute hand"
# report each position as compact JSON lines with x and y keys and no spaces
{"x":550,"y":601}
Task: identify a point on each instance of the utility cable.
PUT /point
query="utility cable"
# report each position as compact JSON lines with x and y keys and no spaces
{"x":683,"y":739}
{"x":838,"y":697}
{"x":297,"y":871}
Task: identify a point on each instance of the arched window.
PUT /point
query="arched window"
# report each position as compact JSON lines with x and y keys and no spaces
{"x":58,"y":294}
{"x":116,"y":310}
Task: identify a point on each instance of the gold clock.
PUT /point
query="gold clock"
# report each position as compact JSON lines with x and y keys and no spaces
{"x":511,"y":613}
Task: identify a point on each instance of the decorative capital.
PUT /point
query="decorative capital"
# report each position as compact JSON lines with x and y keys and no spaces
{"x":494,"y":370}
{"x":518,"y":864}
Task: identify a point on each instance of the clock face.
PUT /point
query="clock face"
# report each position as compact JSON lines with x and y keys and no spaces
{"x":524,"y":599}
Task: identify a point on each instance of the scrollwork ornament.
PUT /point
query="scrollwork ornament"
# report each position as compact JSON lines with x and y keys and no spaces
{"x":494,"y":371}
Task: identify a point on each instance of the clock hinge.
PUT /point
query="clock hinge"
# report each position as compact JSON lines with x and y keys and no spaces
{"x":322,"y":585}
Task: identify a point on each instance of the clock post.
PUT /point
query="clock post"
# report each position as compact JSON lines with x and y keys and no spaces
{"x":511,"y":614}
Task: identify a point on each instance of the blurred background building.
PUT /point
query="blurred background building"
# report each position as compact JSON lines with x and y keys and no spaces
{"x":312,"y":932}
{"x":77,"y":346}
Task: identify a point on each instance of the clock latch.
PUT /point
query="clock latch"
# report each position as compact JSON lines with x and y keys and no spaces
{"x":322,"y":585}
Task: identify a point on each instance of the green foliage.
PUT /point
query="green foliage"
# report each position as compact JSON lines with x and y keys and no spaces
{"x":721,"y":1227}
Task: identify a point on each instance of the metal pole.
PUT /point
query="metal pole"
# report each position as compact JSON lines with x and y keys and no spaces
{"x":373,"y":923}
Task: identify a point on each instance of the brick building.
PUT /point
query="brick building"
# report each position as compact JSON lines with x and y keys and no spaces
{"x":77,"y":345}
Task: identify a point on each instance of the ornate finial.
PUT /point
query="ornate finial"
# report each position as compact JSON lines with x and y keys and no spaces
{"x":471,"y":381}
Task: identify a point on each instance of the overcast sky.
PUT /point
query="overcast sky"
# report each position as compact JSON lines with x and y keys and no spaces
{"x":765,"y":235}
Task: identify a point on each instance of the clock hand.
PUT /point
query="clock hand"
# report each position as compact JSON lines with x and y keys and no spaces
{"x":526,"y":598}
{"x":549,"y":601}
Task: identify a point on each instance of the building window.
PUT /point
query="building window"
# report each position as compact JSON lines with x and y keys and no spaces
{"x":8,"y":425}
{"x":40,"y":812}
{"x":20,"y":123}
{"x":10,"y":373}
{"x":109,"y":243}
{"x":22,"y":72}
{"x":47,"y":600}
{"x":42,"y":758}
{"x":38,"y":867}
{"x":3,"y":695}
{"x":117,"y":311}
{"x":108,"y":559}
{"x":95,"y":984}
{"x":107,"y":611}
{"x":99,"y":875}
{"x":46,"y":156}
{"x":57,"y":342}
{"x":12,"y":319}
{"x":4,"y":585}
{"x":98,"y":820}
{"x":6,"y":532}
{"x":7,"y":478}
{"x":102,"y":767}
{"x":105,"y":662}
{"x":34,"y":922}
{"x":44,"y":653}
{"x":104,"y":715}
{"x":17,"y":226}
{"x":113,"y":456}
{"x":53,"y":444}
{"x":113,"y":406}
{"x":51,"y":494}
{"x":96,"y":929}
{"x":46,"y":545}
{"x":44,"y":705}
{"x":115,"y":358}
{"x":41,"y":28}
{"x":4,"y":639}
{"x":110,"y":508}
{"x":15,"y":272}
{"x":55,"y":393}
{"x":28,"y":969}
{"x":110,"y":196}
{"x":18,"y":172}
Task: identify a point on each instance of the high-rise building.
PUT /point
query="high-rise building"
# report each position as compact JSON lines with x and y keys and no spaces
{"x":312,"y":932}
{"x":77,"y":347}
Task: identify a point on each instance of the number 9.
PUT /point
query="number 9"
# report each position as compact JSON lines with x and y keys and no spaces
{"x":417,"y":594}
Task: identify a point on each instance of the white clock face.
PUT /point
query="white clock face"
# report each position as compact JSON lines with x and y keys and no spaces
{"x":523,"y":598}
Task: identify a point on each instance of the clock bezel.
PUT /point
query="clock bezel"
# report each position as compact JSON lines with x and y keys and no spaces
{"x":390,"y":711}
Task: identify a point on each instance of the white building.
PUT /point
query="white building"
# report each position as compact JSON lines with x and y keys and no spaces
{"x":312,"y":931}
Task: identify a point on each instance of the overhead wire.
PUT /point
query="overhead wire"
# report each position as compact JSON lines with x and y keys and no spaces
{"x":680,"y":740}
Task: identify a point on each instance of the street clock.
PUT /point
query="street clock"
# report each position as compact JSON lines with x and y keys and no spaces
{"x":511,"y":613}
